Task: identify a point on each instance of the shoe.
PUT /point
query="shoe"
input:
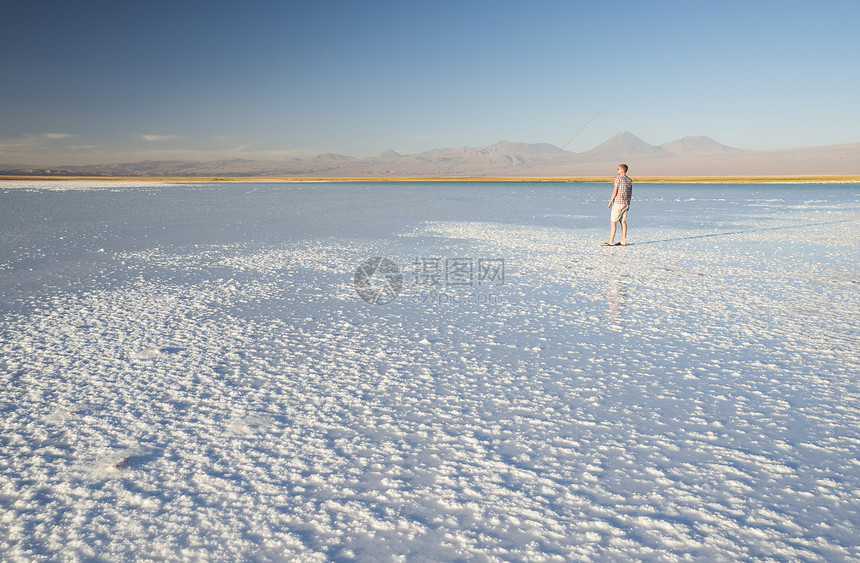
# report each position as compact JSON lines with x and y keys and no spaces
{"x":605,"y":244}
{"x":621,"y":244}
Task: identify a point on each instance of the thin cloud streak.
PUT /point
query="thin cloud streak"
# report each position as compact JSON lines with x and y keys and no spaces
{"x":158,"y":138}
{"x":32,"y":142}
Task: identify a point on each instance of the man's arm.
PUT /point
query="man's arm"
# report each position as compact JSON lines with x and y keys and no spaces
{"x":612,"y":197}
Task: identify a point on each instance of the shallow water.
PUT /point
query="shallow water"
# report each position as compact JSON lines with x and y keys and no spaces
{"x":188,"y":370}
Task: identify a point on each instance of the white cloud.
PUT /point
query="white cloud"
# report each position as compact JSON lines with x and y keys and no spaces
{"x":31,"y":143}
{"x":158,"y":138}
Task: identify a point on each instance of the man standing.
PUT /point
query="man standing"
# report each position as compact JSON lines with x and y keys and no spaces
{"x":619,"y":202}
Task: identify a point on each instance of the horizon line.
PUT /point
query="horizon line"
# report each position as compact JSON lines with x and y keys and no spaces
{"x":717,"y":179}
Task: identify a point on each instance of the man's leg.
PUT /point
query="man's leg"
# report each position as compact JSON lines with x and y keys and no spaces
{"x":612,"y":233}
{"x":623,"y":232}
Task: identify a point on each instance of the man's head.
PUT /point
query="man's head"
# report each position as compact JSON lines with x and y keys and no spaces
{"x":622,"y":169}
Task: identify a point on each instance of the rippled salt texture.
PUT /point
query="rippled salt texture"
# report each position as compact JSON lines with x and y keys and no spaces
{"x":186,"y":371}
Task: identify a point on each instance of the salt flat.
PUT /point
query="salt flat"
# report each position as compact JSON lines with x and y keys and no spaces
{"x":188,"y":372}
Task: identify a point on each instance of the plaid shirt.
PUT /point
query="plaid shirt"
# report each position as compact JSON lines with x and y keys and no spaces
{"x":625,"y":189}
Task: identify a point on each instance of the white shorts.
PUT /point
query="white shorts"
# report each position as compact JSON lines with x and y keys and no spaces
{"x":619,"y":212}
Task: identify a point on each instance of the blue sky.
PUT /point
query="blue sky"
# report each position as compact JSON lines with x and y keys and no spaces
{"x":97,"y":82}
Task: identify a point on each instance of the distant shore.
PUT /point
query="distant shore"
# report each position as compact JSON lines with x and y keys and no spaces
{"x":837,"y":179}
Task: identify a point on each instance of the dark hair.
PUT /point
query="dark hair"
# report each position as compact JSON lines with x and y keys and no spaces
{"x":624,"y":166}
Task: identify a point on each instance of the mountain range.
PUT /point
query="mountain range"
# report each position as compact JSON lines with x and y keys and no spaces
{"x":689,"y":156}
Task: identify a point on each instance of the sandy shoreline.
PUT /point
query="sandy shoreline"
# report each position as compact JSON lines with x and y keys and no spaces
{"x":818,"y":179}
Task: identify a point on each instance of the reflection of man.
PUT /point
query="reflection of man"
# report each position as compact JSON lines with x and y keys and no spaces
{"x":619,"y":202}
{"x":616,"y":293}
